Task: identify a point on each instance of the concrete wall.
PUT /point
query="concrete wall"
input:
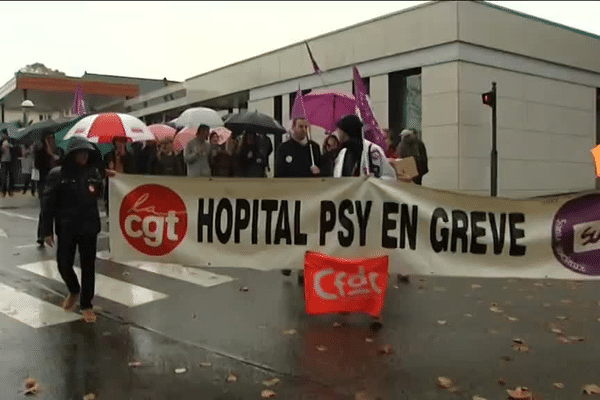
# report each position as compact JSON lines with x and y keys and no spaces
{"x":546,"y":129}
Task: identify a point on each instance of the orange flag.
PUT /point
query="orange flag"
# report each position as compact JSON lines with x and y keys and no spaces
{"x":596,"y":154}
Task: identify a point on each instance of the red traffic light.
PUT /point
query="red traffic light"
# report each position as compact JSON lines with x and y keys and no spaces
{"x":489,"y":99}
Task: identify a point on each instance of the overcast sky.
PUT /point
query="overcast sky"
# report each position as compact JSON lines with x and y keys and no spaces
{"x":178,"y":40}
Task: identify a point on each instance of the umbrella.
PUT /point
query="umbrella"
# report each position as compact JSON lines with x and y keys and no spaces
{"x":162,"y":132}
{"x":325,"y":107}
{"x":195,"y":117}
{"x":255,"y":122}
{"x":103,"y":128}
{"x":222,"y":133}
{"x":183,"y":137}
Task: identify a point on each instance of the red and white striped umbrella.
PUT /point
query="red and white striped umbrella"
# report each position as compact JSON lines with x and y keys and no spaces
{"x":161,"y":131}
{"x":183,"y":137}
{"x":103,"y":128}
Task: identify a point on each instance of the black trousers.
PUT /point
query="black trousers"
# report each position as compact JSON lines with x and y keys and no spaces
{"x":65,"y":256}
{"x":40,"y":187}
{"x":7,"y":177}
{"x":28,"y":181}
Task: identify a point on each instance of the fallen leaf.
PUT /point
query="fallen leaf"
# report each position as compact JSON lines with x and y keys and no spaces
{"x":396,"y":287}
{"x":336,"y":324}
{"x":441,"y":322}
{"x":321,"y":348}
{"x":576,"y":338}
{"x":89,"y":396}
{"x":244,"y":289}
{"x":290,"y":332}
{"x":386,"y":350}
{"x":135,"y":364}
{"x":564,"y":340}
{"x":506,"y":358}
{"x":501,"y":382}
{"x":561,"y":317}
{"x":271,"y":382}
{"x":496,"y":310}
{"x":180,"y":370}
{"x":32,"y":386}
{"x":455,"y":389}
{"x":591,"y":389}
{"x":479,"y":398}
{"x":513,"y":319}
{"x":476,"y":286}
{"x":520,"y":393}
{"x":369,"y":340}
{"x":558,"y":385}
{"x":126,"y":274}
{"x":205,"y":364}
{"x":521,"y":348}
{"x":556,"y":330}
{"x":518,"y":341}
{"x":566,"y":301}
{"x":231,"y":378}
{"x":468,"y":315}
{"x":444,"y":383}
{"x":493,"y":331}
{"x":268,"y":394}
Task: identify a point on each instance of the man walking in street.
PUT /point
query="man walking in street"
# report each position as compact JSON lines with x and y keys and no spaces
{"x":70,"y":209}
{"x":197,"y":154}
{"x":47,"y":156}
{"x":299,"y":157}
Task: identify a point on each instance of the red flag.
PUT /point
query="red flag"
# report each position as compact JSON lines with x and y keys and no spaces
{"x":335,"y":285}
{"x":596,"y":154}
{"x":316,"y":68}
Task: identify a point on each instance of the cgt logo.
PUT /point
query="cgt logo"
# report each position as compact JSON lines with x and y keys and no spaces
{"x":153,"y":219}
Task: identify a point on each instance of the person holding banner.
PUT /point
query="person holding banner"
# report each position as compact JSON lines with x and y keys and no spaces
{"x":299,"y":157}
{"x":359,"y":156}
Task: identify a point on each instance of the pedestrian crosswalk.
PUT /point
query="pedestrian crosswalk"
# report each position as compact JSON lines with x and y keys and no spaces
{"x":38,"y":313}
{"x":125,"y":293}
{"x":30,"y":310}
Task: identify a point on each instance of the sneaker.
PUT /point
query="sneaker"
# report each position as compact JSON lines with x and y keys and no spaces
{"x":70,"y":301}
{"x":89,"y":315}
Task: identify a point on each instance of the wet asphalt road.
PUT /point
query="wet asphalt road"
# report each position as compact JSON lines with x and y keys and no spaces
{"x":452,"y":327}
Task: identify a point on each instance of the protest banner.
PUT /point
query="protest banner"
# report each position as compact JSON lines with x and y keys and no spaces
{"x":269,"y":224}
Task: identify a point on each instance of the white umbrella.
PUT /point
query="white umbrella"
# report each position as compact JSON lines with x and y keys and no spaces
{"x":194,"y":117}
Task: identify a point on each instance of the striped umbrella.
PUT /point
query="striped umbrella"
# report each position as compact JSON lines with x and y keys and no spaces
{"x":103,"y":128}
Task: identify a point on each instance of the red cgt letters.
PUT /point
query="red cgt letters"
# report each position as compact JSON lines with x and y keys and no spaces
{"x":336,"y":285}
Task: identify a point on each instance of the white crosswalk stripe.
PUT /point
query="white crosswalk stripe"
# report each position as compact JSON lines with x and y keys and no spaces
{"x":30,"y":310}
{"x":188,"y":274}
{"x":115,"y":290}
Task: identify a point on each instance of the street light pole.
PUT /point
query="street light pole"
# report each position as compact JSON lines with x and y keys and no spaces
{"x":489,"y":99}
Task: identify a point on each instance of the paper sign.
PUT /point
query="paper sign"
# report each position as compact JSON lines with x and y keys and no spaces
{"x":405,"y":167}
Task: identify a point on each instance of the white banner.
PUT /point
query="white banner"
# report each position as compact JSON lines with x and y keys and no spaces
{"x":269,"y":224}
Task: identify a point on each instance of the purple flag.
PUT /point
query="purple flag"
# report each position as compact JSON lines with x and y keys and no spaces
{"x":298,"y":107}
{"x":316,"y":68}
{"x":373,"y":131}
{"x":78,"y":107}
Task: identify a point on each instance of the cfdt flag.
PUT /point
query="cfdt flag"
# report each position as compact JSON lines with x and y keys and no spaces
{"x":336,"y":285}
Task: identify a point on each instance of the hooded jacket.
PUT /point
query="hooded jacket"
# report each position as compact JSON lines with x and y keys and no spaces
{"x":70,"y":198}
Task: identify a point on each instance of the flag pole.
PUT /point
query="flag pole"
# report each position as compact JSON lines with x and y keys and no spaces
{"x":312,"y":156}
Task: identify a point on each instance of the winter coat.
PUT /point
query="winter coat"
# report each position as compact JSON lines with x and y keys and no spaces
{"x":167,"y":165}
{"x":253,"y":159}
{"x":70,"y":197}
{"x":44,"y":162}
{"x":197,"y":157}
{"x":293,"y":160}
{"x":372,"y":161}
{"x":411,"y":146}
{"x":128,"y":161}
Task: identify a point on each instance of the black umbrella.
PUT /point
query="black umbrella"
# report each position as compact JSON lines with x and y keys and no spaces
{"x":254,"y":122}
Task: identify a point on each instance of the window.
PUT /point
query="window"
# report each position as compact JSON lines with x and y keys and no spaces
{"x":404,"y":90}
{"x":278,"y":109}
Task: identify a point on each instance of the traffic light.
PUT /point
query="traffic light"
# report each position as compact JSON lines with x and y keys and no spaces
{"x":489,"y":98}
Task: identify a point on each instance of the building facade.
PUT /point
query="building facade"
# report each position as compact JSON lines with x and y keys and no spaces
{"x":426,"y":68}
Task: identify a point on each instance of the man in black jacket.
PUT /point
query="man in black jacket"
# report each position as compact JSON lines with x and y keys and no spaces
{"x":70,"y":206}
{"x":299,"y":157}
